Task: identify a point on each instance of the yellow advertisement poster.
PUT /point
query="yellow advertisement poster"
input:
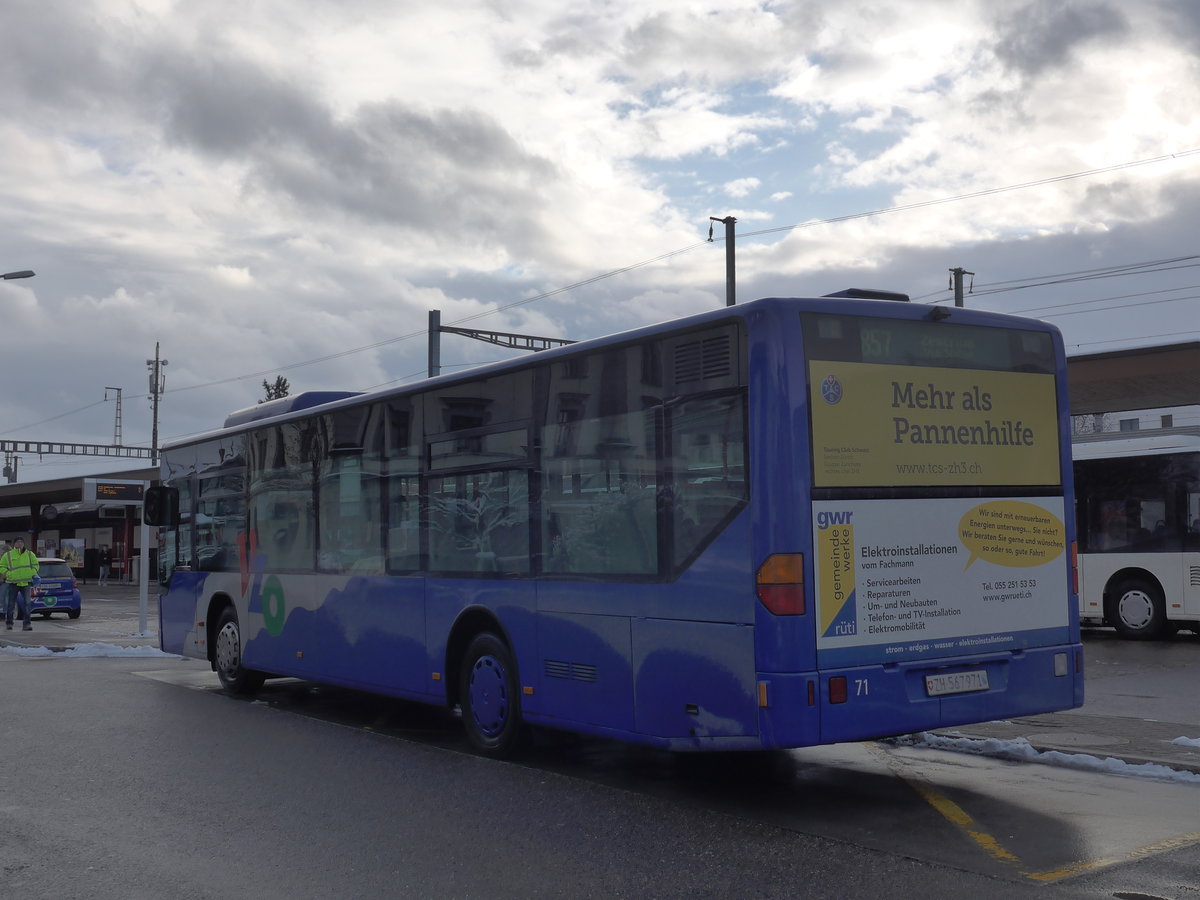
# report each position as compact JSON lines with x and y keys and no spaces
{"x":922,"y":425}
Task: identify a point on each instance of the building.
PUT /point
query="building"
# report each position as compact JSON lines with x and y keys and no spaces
{"x":55,"y":520}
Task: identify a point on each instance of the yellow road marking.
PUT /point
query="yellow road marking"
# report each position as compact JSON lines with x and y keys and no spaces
{"x":960,"y":818}
{"x":950,"y":810}
{"x":1162,"y":846}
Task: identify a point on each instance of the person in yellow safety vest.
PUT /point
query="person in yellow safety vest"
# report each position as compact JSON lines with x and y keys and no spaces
{"x":19,"y":568}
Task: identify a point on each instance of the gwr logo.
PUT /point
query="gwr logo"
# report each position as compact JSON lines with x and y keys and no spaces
{"x":829,"y":519}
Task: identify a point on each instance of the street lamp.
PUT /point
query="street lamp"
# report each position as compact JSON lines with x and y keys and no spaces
{"x":11,"y":459}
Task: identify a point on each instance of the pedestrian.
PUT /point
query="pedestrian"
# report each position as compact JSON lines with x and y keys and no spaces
{"x":105,"y":564}
{"x":19,"y":568}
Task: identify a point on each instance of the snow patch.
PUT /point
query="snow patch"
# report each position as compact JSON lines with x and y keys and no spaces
{"x":89,"y":650}
{"x":1021,"y":750}
{"x":1187,"y":742}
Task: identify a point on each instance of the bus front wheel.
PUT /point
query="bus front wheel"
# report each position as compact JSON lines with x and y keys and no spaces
{"x":489,"y":697}
{"x":1137,"y":610}
{"x":227,"y":657}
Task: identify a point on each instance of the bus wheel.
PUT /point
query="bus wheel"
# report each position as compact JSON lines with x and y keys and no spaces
{"x":1137,"y":610}
{"x":227,"y":657}
{"x":490,"y":699}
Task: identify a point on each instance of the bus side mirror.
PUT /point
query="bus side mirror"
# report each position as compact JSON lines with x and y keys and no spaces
{"x":161,"y":506}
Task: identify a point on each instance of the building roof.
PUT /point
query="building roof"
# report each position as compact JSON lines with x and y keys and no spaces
{"x":62,"y":490}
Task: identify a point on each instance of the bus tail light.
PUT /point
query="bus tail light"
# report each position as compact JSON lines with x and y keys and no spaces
{"x":837,"y":689}
{"x":780,"y":584}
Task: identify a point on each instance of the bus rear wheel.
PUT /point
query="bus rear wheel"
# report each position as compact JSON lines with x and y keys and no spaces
{"x":1137,"y":610}
{"x":489,"y":697}
{"x":227,"y":657}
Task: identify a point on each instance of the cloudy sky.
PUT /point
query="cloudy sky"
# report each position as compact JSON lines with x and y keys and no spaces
{"x":286,"y":187}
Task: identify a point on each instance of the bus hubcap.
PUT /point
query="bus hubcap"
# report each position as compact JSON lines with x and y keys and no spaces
{"x":489,"y":695}
{"x":229,"y":650}
{"x":1135,"y":609}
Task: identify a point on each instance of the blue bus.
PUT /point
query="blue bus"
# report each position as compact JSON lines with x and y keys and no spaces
{"x":786,"y":523}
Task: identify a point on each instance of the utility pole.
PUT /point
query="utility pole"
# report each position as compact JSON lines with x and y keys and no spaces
{"x":435,"y":343}
{"x":158,"y":383}
{"x":956,"y":279}
{"x":730,"y":268}
{"x":117,"y":421}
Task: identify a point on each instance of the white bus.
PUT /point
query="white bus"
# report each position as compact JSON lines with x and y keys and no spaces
{"x":1137,"y":504}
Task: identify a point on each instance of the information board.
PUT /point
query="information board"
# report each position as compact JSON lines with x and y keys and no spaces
{"x":113,"y":491}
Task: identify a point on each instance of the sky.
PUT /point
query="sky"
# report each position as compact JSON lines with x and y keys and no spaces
{"x":287,"y":188}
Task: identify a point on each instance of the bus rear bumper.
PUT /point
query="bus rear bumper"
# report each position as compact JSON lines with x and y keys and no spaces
{"x":904,"y":697}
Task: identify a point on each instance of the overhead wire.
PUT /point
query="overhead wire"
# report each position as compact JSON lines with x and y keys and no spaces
{"x":716,"y":239}
{"x":923,"y":204}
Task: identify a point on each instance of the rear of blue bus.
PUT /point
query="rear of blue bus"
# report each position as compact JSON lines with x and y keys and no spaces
{"x":916,"y":536}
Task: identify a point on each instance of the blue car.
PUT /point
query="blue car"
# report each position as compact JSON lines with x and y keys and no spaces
{"x":57,"y":590}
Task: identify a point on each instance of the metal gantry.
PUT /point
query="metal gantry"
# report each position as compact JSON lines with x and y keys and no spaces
{"x":60,"y":448}
{"x":500,"y":338}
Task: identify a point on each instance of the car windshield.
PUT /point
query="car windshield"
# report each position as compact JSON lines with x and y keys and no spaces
{"x":54,"y":570}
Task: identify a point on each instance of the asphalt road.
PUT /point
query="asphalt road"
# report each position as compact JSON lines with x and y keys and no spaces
{"x":139,"y":778}
{"x":132,"y":778}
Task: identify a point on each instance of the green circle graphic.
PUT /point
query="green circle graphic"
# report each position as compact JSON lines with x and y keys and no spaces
{"x":274,"y":609}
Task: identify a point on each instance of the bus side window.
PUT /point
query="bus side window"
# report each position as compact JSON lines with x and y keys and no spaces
{"x":599,"y":495}
{"x":281,"y":513}
{"x":348,"y":455}
{"x":1191,"y":540}
{"x":220,"y":519}
{"x":708,"y":470}
{"x":479,"y":522}
{"x":404,"y":517}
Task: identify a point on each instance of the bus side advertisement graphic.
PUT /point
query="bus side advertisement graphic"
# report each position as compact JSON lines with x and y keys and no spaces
{"x":903,"y":579}
{"x":919,"y":425}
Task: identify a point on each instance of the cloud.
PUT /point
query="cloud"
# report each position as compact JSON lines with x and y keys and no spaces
{"x":741,"y":187}
{"x":259,"y":186}
{"x":1038,"y":36}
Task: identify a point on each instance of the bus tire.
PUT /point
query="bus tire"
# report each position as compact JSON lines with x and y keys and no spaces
{"x":490,"y":697}
{"x":227,"y":657}
{"x":1137,"y":610}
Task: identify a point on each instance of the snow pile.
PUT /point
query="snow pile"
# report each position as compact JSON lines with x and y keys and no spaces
{"x":1187,"y":742}
{"x":89,"y":650}
{"x":1021,"y":750}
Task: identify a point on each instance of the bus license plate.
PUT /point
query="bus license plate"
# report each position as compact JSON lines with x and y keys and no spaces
{"x":956,"y":682}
